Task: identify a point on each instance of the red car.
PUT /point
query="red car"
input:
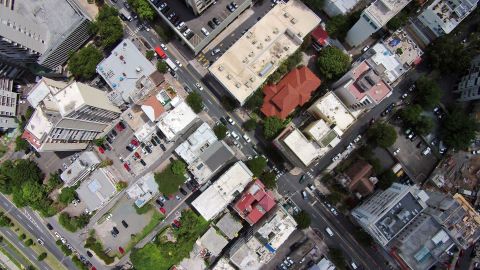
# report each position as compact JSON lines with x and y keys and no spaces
{"x":93,"y":268}
{"x":135,"y":142}
{"x":101,"y":150}
{"x":163,"y":210}
{"x":125,"y":165}
{"x":121,"y":250}
{"x":137,"y":155}
{"x":177,"y":223}
{"x":119,"y":127}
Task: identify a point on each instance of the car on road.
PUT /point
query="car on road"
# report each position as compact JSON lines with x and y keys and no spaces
{"x":159,"y":202}
{"x":230,"y":120}
{"x":329,"y":231}
{"x":396,"y":151}
{"x":49,"y":226}
{"x":404,"y":96}
{"x":411,"y":88}
{"x":223,"y":120}
{"x":199,"y":86}
{"x":178,"y":63}
{"x":357,"y":139}
{"x":302,"y":179}
{"x":125,"y":224}
{"x":40,"y":241}
{"x":304,"y":195}
{"x":334,"y":211}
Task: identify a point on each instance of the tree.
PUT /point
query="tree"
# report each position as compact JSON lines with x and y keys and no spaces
{"x":32,"y":192}
{"x":337,"y":27}
{"x":149,"y":54}
{"x":4,"y":220}
{"x":314,"y":4}
{"x":257,"y":165}
{"x":458,"y":129}
{"x":268,"y":179}
{"x":332,"y":62}
{"x":100,"y":141}
{"x":121,"y":185}
{"x":67,"y":195}
{"x":303,"y":220}
{"x":255,"y":101}
{"x":337,"y":258}
{"x":424,"y":125}
{"x":83,"y":63}
{"x":53,"y":182}
{"x":108,"y":26}
{"x":220,"y":131}
{"x":178,"y":167}
{"x":21,"y":144}
{"x":143,"y":9}
{"x":386,"y":179}
{"x":272,"y":126}
{"x":250,"y":124}
{"x":162,"y":67}
{"x":42,"y":256}
{"x":228,"y":103}
{"x":22,"y":237}
{"x":398,"y":21}
{"x":449,"y":56}
{"x":429,"y":93}
{"x":363,"y":237}
{"x":411,"y":114}
{"x":194,"y":100}
{"x":382,"y":134}
{"x":29,"y":242}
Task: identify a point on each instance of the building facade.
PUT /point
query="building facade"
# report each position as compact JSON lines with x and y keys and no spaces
{"x":43,"y":32}
{"x":67,"y":115}
{"x":8,"y":105}
{"x":469,"y":86}
{"x":198,"y":6}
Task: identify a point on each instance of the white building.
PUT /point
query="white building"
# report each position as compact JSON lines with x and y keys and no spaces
{"x":97,"y":189}
{"x":176,"y":120}
{"x":8,"y":105}
{"x":143,"y":190}
{"x":86,"y":163}
{"x":339,"y":7}
{"x":67,"y":115}
{"x":223,"y":191}
{"x":440,"y":18}
{"x":386,"y":213}
{"x":373,"y":18}
{"x":469,"y":85}
{"x":257,"y":54}
{"x":128,"y":73}
{"x":204,"y":153}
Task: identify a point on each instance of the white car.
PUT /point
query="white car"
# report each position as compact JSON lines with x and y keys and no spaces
{"x":396,"y":151}
{"x":247,"y":139}
{"x":475,"y":152}
{"x":228,"y":134}
{"x":230,"y":120}
{"x":164,"y":47}
{"x":235,"y":135}
{"x":56,"y":234}
{"x":357,"y":139}
{"x":199,"y":86}
{"x":178,"y":63}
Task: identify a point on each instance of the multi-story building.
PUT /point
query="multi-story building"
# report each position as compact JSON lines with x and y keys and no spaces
{"x":373,"y":18}
{"x":67,"y":115}
{"x":469,"y":86}
{"x":440,"y":18}
{"x":41,"y":31}
{"x":8,"y":105}
{"x":339,"y":7}
{"x":198,"y":6}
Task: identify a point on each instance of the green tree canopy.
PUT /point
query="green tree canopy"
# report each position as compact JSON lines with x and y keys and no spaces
{"x":21,"y":144}
{"x":411,"y":114}
{"x":337,"y":258}
{"x":220,"y":131}
{"x":382,"y":134}
{"x":268,"y":179}
{"x":144,"y":10}
{"x":386,"y":179}
{"x":67,"y":195}
{"x":332,"y":62}
{"x":250,"y":124}
{"x":194,"y":100}
{"x":162,"y":67}
{"x":255,"y":101}
{"x":149,"y":54}
{"x":272,"y":126}
{"x":449,"y":56}
{"x":458,"y":129}
{"x":429,"y":93}
{"x":337,"y":27}
{"x":314,"y":4}
{"x":398,"y":21}
{"x":83,"y":63}
{"x":257,"y":165}
{"x":178,"y":167}
{"x":228,"y":103}
{"x":424,"y":125}
{"x":108,"y":26}
{"x":303,"y":220}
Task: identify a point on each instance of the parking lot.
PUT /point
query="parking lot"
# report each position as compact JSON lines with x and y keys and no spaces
{"x":54,"y":161}
{"x":417,"y":166}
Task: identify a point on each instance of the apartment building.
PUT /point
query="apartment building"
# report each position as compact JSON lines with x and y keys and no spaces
{"x":67,"y":115}
{"x":42,"y":32}
{"x":198,"y":6}
{"x":8,"y":105}
{"x":374,"y":17}
{"x":469,"y":86}
{"x":440,"y":18}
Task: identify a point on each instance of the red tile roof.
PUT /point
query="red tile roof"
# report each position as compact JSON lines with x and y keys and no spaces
{"x":358,"y":174}
{"x":255,"y":202}
{"x":293,"y":90}
{"x":320,"y":35}
{"x":34,"y":141}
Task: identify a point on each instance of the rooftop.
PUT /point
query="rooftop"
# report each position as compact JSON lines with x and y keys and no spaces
{"x":323,"y":264}
{"x":97,"y":189}
{"x":80,"y":168}
{"x":143,"y":190}
{"x":293,"y":90}
{"x":333,"y":111}
{"x":405,"y":49}
{"x":320,"y":35}
{"x":175,"y":120}
{"x":443,"y":16}
{"x":212,"y":241}
{"x":337,"y":7}
{"x":277,"y":229}
{"x":126,"y":71}
{"x":383,"y":10}
{"x":244,"y":67}
{"x":246,"y":256}
{"x":153,"y":107}
{"x":223,"y":191}
{"x":255,"y":202}
{"x":223,"y":264}
{"x":196,"y":143}
{"x":229,"y":226}
{"x":305,"y":150}
{"x":386,"y":63}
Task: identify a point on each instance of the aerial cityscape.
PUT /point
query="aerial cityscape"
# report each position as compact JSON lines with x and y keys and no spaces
{"x":240,"y":135}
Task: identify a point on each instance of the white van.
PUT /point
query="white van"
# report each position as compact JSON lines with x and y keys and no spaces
{"x":426,"y":151}
{"x":205,"y":32}
{"x":304,"y":194}
{"x":329,"y":231}
{"x":353,"y":265}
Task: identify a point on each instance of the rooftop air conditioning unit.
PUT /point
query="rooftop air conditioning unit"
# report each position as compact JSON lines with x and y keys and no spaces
{"x":237,"y":85}
{"x":251,"y":54}
{"x":252,"y":79}
{"x":260,"y":46}
{"x":245,"y":60}
{"x":268,"y":38}
{"x":293,"y":21}
{"x":221,"y":68}
{"x":229,"y":76}
{"x":275,"y":30}
{"x":254,"y":41}
{"x":286,"y":15}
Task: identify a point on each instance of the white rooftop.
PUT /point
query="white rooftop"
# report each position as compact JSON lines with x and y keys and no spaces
{"x":392,"y":68}
{"x":337,"y":7}
{"x":277,"y":229}
{"x":443,"y":16}
{"x":80,"y":168}
{"x":39,"y":124}
{"x":42,"y":89}
{"x":248,"y":63}
{"x":196,"y":143}
{"x":222,"y":192}
{"x":97,"y":189}
{"x":304,"y":149}
{"x":223,"y":264}
{"x":122,"y":69}
{"x":212,"y":241}
{"x":332,"y":110}
{"x":175,"y":120}
{"x":143,"y":190}
{"x":383,"y":10}
{"x":144,"y":132}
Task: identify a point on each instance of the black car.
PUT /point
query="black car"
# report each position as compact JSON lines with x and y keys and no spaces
{"x":129,"y":148}
{"x":189,"y":186}
{"x":109,"y":140}
{"x":125,"y":224}
{"x":160,"y":203}
{"x":114,"y":133}
{"x":216,"y":21}
{"x":115,"y":230}
{"x":212,"y":24}
{"x":223,"y":120}
{"x":122,"y":124}
{"x":163,"y":147}
{"x":49,"y":226}
{"x":143,"y":162}
{"x":183,"y":191}
{"x":156,"y":139}
{"x":89,"y":254}
{"x":153,"y":142}
{"x":148,"y":149}
{"x":113,"y":233}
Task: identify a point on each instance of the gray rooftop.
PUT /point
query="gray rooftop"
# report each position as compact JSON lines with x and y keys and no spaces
{"x":213,"y":241}
{"x":229,"y":226}
{"x":97,"y":189}
{"x":399,"y":216}
{"x":217,"y":155}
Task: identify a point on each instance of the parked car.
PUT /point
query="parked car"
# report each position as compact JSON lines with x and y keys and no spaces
{"x":143,"y":162}
{"x":235,"y":135}
{"x":159,"y":202}
{"x":125,"y":165}
{"x":183,"y":191}
{"x":230,"y":120}
{"x":163,"y":147}
{"x":125,"y":224}
{"x":199,"y":86}
{"x":89,"y":254}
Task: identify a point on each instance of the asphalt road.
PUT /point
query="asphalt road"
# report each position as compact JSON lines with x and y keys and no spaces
{"x":37,"y":228}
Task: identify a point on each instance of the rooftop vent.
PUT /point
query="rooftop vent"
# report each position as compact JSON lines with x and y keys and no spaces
{"x":138,"y":69}
{"x":286,"y":15}
{"x":275,"y":30}
{"x":293,"y":21}
{"x":221,"y":68}
{"x":237,"y":85}
{"x":229,"y":76}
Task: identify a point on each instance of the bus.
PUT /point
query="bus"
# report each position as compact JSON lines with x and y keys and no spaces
{"x":160,"y":52}
{"x":125,"y":15}
{"x":171,"y":65}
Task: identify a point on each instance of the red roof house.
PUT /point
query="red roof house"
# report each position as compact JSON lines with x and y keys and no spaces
{"x":293,"y":90}
{"x":254,"y":203}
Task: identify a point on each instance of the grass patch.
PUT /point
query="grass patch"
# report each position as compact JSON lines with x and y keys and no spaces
{"x":163,"y":254}
{"x":168,"y":182}
{"x":154,"y":221}
{"x":3,"y":149}
{"x":142,"y":210}
{"x":14,"y":261}
{"x":97,"y":247}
